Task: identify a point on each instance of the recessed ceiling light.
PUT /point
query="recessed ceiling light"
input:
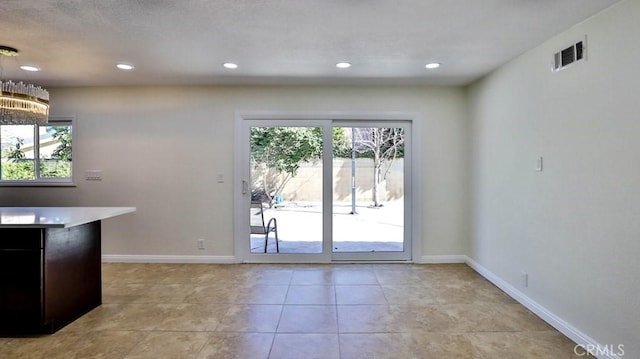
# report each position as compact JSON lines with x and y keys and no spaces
{"x":123,"y":66}
{"x":230,"y":65}
{"x":432,"y":65}
{"x":30,"y":68}
{"x":343,"y":65}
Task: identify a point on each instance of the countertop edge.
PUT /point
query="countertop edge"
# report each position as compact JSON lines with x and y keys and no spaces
{"x":80,"y":215}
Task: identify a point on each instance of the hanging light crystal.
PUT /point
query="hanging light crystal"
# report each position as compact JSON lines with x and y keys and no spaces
{"x":20,"y":103}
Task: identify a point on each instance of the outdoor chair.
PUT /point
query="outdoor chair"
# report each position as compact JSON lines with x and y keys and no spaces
{"x":258,"y":225}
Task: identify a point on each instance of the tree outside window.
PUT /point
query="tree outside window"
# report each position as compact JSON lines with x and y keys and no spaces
{"x":278,"y":152}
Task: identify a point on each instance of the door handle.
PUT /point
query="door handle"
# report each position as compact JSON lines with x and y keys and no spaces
{"x":245,"y":187}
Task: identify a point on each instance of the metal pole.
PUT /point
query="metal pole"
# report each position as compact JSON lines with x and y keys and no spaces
{"x":353,"y":170}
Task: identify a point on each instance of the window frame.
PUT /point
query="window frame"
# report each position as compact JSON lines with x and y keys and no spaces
{"x":49,"y":182}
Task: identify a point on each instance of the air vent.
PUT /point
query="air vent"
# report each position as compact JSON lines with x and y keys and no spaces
{"x":570,"y":55}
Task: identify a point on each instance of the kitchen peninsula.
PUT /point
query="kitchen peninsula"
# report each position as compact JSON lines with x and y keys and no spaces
{"x":50,"y":265}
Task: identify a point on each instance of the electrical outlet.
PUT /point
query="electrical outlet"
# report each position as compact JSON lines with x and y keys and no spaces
{"x":200,"y":243}
{"x":525,"y":279}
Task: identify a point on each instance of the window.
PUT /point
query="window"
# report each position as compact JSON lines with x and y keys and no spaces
{"x":37,"y":155}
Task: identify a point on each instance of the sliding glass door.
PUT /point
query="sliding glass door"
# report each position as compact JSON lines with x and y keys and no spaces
{"x":325,"y":190}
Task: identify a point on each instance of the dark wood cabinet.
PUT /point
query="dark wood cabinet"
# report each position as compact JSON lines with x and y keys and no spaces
{"x":48,"y":277}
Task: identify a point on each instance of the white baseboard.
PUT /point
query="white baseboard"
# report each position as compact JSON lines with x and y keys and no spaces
{"x":126,"y":258}
{"x":555,"y":321}
{"x":442,"y":259}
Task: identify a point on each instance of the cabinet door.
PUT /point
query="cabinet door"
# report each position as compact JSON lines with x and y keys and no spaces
{"x":21,"y":301}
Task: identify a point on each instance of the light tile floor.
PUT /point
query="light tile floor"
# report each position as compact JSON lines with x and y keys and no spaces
{"x":298,"y":311}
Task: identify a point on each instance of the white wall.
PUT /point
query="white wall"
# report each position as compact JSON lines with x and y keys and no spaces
{"x":161,"y":148}
{"x":575,"y":227}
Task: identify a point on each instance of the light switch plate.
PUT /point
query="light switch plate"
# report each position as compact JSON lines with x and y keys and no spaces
{"x":93,"y":175}
{"x":539,"y":164}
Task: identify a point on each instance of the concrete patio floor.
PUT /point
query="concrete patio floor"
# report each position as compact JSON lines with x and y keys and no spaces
{"x":300,"y":228}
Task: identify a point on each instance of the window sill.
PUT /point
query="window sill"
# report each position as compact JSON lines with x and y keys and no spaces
{"x":37,"y":184}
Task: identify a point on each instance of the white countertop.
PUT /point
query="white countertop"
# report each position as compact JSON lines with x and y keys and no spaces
{"x":56,"y":217}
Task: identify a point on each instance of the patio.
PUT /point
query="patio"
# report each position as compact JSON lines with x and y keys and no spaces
{"x":300,"y":228}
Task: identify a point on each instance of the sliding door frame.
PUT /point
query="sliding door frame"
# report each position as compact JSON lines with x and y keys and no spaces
{"x":241,"y":176}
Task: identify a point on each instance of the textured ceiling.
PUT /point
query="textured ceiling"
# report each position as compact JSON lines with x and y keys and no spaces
{"x":78,"y":42}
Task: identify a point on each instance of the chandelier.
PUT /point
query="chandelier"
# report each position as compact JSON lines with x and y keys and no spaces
{"x":20,"y":103}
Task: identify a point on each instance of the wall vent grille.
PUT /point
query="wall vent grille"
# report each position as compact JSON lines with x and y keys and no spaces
{"x":570,"y":55}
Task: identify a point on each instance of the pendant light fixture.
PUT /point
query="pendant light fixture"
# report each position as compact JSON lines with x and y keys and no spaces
{"x":20,"y":103}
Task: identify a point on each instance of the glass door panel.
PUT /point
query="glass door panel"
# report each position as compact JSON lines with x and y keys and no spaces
{"x":286,"y":190}
{"x":368,"y":207}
